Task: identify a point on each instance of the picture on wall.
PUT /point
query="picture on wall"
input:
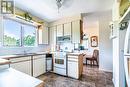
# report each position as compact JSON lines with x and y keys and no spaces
{"x":94,"y":41}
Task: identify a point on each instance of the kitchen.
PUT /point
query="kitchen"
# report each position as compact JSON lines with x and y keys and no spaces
{"x":62,"y":43}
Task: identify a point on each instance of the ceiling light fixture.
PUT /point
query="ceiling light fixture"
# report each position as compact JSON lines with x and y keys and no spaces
{"x":59,"y":3}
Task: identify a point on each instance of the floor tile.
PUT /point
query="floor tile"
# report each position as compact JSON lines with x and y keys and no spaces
{"x":91,"y":77}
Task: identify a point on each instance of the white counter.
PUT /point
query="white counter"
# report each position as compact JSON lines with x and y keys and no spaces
{"x":13,"y":78}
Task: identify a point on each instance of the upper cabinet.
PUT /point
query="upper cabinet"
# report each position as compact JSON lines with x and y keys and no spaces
{"x":59,"y":30}
{"x":67,"y":32}
{"x":42,"y":35}
{"x":52,"y":34}
{"x":76,"y":31}
{"x":67,"y":29}
{"x":45,"y":35}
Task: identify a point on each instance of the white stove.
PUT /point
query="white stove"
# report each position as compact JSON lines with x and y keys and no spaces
{"x":60,"y":63}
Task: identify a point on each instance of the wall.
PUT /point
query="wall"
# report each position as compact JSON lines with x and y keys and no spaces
{"x":105,"y":44}
{"x":66,"y":20}
{"x":17,"y":50}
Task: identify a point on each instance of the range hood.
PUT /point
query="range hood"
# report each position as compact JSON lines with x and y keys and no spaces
{"x":63,"y":39}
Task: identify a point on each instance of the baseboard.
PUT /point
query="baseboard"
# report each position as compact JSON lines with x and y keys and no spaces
{"x":105,"y":70}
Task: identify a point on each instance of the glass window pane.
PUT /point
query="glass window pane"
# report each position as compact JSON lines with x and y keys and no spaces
{"x":29,"y":38}
{"x":12,"y":33}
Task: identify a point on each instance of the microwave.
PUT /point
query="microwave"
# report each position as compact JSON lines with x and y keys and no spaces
{"x":63,"y":39}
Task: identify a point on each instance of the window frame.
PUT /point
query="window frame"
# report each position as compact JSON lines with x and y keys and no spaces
{"x":21,"y":34}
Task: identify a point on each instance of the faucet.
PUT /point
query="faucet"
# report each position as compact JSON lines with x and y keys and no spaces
{"x":24,"y":52}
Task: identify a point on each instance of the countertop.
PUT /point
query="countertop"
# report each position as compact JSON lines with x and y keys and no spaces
{"x":4,"y":61}
{"x":34,"y":54}
{"x":74,"y":54}
{"x":13,"y":78}
{"x":22,"y":55}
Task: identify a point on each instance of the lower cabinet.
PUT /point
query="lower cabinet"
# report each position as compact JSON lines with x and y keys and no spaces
{"x":34,"y":67}
{"x":22,"y":64}
{"x":75,"y":66}
{"x":73,"y":69}
{"x":4,"y":66}
{"x":39,"y":65}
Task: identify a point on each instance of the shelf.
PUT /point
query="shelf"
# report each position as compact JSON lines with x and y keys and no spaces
{"x":126,"y":16}
{"x":21,"y":19}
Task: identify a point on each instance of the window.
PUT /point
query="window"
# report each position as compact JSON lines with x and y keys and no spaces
{"x":29,"y":35}
{"x":18,"y":34}
{"x":12,"y":32}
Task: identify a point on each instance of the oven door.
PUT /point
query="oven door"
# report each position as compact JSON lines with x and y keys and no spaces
{"x":60,"y":62}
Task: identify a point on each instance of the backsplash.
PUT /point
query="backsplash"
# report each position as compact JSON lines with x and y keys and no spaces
{"x":17,"y":50}
{"x":67,"y":47}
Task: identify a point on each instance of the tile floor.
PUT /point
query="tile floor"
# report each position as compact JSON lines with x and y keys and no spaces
{"x":92,"y":77}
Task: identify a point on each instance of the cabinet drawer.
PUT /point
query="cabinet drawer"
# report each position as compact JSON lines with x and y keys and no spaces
{"x":21,"y":59}
{"x":73,"y":59}
{"x":60,"y":71}
{"x":39,"y":56}
{"x":4,"y":67}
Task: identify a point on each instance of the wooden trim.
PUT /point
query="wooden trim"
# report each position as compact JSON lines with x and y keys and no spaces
{"x":129,"y":66}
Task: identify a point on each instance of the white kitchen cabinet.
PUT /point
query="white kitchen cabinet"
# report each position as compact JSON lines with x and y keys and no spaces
{"x":76,"y":31}
{"x":52,"y":34}
{"x":39,"y":65}
{"x":4,"y":66}
{"x":75,"y":66}
{"x":73,"y":69}
{"x":59,"y":30}
{"x":22,"y":64}
{"x":43,"y":35}
{"x":67,"y":29}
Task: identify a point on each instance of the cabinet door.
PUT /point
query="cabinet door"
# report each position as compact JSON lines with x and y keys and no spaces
{"x":52,"y":34}
{"x":76,"y":31}
{"x":22,"y":64}
{"x":39,"y":65}
{"x":4,"y":66}
{"x":73,"y":69}
{"x":59,"y":30}
{"x":67,"y":29}
{"x":45,"y":35}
